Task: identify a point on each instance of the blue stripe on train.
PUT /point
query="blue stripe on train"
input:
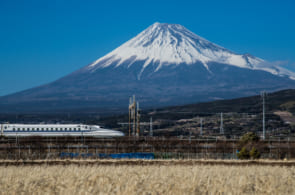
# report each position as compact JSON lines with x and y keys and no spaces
{"x":138,"y":155}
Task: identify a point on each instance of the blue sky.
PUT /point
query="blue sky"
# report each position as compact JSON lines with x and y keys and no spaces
{"x":41,"y":41}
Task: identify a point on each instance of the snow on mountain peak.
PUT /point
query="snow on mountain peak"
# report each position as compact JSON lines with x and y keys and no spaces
{"x":169,"y":44}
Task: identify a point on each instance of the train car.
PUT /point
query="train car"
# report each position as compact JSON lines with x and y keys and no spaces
{"x":55,"y":130}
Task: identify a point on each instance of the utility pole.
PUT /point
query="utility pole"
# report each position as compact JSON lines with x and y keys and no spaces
{"x":263,"y":114}
{"x":129,"y":115}
{"x":138,"y":120}
{"x":221,"y":124}
{"x":134,"y":114}
{"x":151,"y":127}
{"x":201,"y":126}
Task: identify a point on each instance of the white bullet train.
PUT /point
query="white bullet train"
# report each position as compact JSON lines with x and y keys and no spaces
{"x":56,"y":130}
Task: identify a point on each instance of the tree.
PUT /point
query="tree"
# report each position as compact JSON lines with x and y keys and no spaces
{"x":249,"y":137}
{"x":247,"y":142}
{"x":243,"y":154}
{"x":254,"y":153}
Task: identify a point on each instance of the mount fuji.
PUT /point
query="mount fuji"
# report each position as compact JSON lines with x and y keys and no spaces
{"x":166,"y":64}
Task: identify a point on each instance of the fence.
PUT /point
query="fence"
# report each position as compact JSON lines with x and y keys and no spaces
{"x":161,"y":148}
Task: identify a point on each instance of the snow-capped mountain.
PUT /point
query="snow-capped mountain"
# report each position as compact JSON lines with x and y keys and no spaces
{"x":167,"y":44}
{"x":166,"y":64}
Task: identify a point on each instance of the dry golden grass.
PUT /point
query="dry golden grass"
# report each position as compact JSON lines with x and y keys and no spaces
{"x":150,"y":179}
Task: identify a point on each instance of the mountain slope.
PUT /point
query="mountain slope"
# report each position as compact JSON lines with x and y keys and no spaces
{"x":164,"y":65}
{"x":240,"y":116}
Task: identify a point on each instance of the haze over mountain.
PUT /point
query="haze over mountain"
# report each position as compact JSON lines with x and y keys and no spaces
{"x":166,"y":64}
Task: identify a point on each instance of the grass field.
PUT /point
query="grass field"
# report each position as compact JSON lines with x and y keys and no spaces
{"x":148,"y":179}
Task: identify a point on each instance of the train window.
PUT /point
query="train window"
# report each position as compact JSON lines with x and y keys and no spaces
{"x":66,"y":129}
{"x":24,"y":129}
{"x":5,"y":127}
{"x":33,"y":129}
{"x":74,"y":129}
{"x":13,"y":129}
{"x":18,"y":129}
{"x":70,"y":129}
{"x":51,"y":129}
